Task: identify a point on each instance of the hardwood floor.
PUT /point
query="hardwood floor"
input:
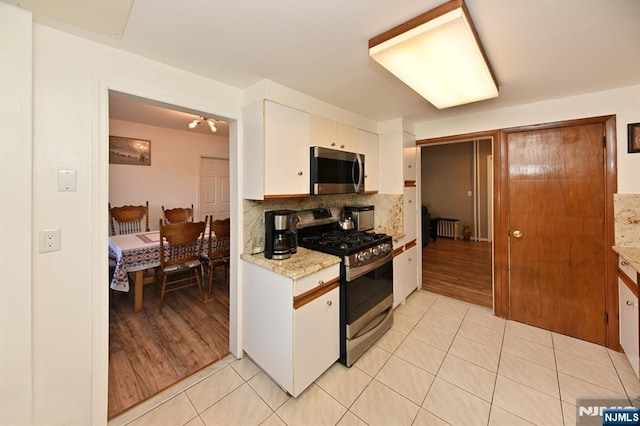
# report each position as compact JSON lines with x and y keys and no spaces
{"x":458,"y":269}
{"x":148,"y":351}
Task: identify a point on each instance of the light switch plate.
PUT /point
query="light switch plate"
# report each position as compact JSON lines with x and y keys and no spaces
{"x":67,"y":180}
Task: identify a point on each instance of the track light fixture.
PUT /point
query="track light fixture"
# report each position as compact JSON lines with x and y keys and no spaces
{"x":210,"y":121}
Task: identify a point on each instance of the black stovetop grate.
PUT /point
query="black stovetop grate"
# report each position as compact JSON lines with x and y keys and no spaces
{"x":341,"y":242}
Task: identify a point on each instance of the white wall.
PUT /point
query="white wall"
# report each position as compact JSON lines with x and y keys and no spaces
{"x":173,"y":178}
{"x":15,"y":208}
{"x":624,"y":103}
{"x":70,"y":128}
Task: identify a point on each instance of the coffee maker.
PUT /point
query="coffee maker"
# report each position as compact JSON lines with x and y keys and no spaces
{"x":280,"y":240}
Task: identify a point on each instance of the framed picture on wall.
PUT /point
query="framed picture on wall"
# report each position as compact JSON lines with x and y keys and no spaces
{"x":131,"y":151}
{"x":634,"y":137}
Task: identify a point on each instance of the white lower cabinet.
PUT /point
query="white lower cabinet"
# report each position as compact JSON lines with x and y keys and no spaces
{"x":316,"y":340}
{"x":291,"y":327}
{"x":405,"y":273}
{"x":629,"y":337}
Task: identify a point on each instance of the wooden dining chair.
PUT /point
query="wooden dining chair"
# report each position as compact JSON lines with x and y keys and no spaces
{"x":180,"y":257}
{"x":129,"y":219}
{"x":132,"y":220}
{"x":218,"y":251}
{"x":178,"y":215}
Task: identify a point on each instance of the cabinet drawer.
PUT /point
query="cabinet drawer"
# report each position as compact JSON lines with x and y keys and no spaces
{"x":628,"y":270}
{"x":316,"y":279}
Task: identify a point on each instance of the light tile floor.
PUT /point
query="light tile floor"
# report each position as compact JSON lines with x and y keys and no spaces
{"x":443,"y":362}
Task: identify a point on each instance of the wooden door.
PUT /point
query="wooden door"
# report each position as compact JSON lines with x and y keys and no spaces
{"x":556,"y":208}
{"x":215,"y":187}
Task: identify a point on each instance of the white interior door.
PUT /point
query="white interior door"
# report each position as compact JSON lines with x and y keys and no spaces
{"x":215,"y":193}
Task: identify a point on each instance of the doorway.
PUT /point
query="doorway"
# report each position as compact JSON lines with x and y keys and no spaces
{"x":148,"y":351}
{"x":456,"y":188}
{"x":501,"y":220}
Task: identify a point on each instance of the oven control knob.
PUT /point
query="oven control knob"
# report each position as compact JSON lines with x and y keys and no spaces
{"x":376,"y":250}
{"x":386,"y":247}
{"x":365,"y":255}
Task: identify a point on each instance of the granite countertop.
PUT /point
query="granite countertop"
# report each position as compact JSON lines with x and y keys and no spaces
{"x":300,"y":264}
{"x":629,"y":253}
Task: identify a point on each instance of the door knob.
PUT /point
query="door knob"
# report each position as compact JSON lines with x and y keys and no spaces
{"x":517,"y":233}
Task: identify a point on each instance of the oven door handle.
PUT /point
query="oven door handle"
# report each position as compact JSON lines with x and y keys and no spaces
{"x":373,"y":325}
{"x":353,"y":272}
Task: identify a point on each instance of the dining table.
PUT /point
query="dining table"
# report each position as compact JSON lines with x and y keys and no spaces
{"x":134,"y":253}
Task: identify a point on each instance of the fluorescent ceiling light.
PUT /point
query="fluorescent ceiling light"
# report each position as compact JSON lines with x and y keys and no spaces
{"x":439,"y":55}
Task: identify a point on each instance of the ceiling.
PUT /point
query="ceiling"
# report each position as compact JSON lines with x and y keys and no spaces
{"x":138,"y":110}
{"x":539,"y":49}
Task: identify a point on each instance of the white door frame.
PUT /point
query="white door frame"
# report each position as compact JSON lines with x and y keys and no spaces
{"x":99,"y":228}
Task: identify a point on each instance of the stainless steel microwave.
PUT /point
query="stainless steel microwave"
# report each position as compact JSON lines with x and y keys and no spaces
{"x":336,"y":172}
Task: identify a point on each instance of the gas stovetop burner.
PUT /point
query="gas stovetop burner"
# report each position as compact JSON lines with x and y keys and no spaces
{"x":319,"y":229}
{"x":341,"y":242}
{"x":347,"y":238}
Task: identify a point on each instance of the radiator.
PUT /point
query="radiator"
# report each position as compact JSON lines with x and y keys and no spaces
{"x":448,"y":228}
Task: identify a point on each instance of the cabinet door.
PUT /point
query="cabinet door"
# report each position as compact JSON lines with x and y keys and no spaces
{"x":316,"y":339}
{"x":405,"y":275}
{"x":629,"y":339}
{"x":409,"y":156}
{"x":346,"y":138}
{"x":322,"y":132}
{"x":330,"y":134}
{"x":368,"y":145}
{"x":390,"y":152}
{"x":410,"y":212}
{"x":268,"y":322}
{"x":412,"y":269}
{"x":286,"y":150}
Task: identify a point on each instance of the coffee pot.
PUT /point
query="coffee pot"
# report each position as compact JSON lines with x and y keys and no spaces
{"x":280,"y":234}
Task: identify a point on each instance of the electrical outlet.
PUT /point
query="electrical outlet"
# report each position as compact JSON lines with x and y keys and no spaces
{"x":50,"y":240}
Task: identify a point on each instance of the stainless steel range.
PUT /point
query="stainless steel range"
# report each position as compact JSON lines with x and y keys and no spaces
{"x":366,"y":278}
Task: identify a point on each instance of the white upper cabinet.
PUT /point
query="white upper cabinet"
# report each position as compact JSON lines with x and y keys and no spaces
{"x":409,"y":157}
{"x":331,"y":134}
{"x":397,"y":150}
{"x":277,"y":143}
{"x":368,"y":145}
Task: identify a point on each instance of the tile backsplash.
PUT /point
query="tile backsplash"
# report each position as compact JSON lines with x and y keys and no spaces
{"x":388,"y":213}
{"x":627,"y":219}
